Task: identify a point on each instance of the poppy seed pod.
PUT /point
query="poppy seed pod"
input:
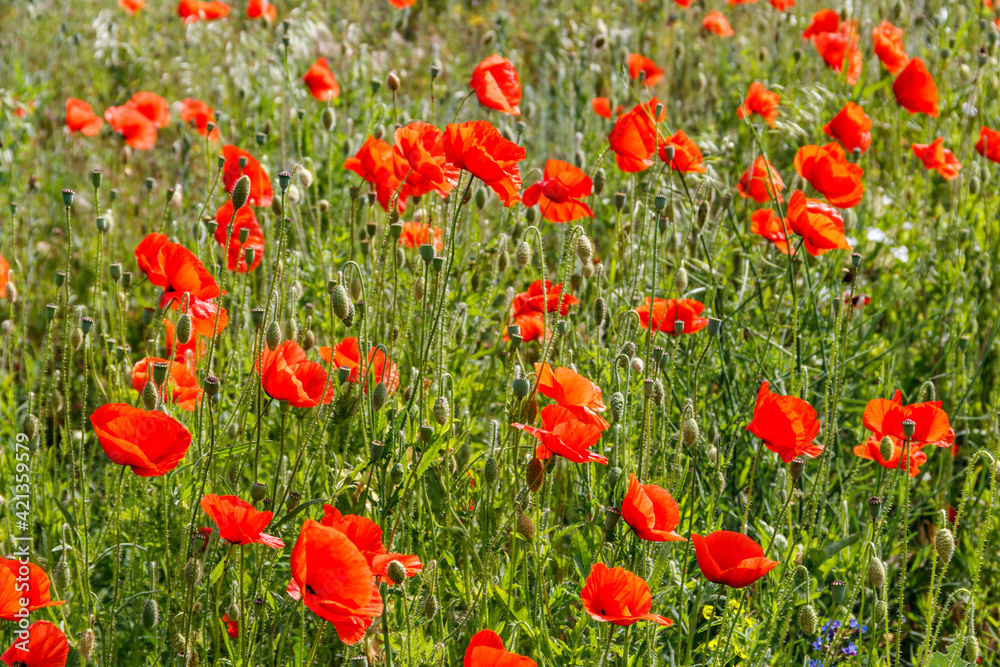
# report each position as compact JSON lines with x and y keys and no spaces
{"x":619,"y":200}
{"x":102,"y":223}
{"x":343,"y":374}
{"x":212,"y":385}
{"x":115,"y":271}
{"x":874,"y":507}
{"x":359,"y":661}
{"x":150,"y":614}
{"x":430,"y":606}
{"x":807,"y":619}
{"x":257,"y":491}
{"x":241,"y":192}
{"x":249,"y":255}
{"x":838,"y":589}
{"x":95,"y":178}
{"x":491,"y":471}
{"x":944,"y":543}
{"x":273,"y":335}
{"x":909,"y":426}
{"x":426,"y":432}
{"x":257,"y":317}
{"x":584,"y":249}
{"x":795,"y":468}
{"x":67,"y":197}
{"x":876,"y":573}
{"x":534,"y":474}
{"x":525,"y":527}
{"x":192,"y":572}
{"x":885,"y":448}
{"x":284,"y":179}
{"x":520,"y":387}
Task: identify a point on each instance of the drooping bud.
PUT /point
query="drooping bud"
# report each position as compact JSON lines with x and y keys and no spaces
{"x":241,"y":192}
{"x":491,"y":471}
{"x":807,"y":619}
{"x":379,"y":395}
{"x":329,"y":118}
{"x":881,"y":612}
{"x":525,"y":527}
{"x":150,"y":614}
{"x":86,"y":645}
{"x":29,"y":426}
{"x":534,"y":474}
{"x":885,"y":448}
{"x":396,"y":572}
{"x":972,"y":649}
{"x":876,"y":573}
{"x":584,"y":249}
{"x":62,"y":576}
{"x":689,"y":431}
{"x":430,"y":606}
{"x":192,"y":572}
{"x":944,"y":543}
{"x":522,"y":255}
{"x":600,"y":180}
{"x":681,"y":279}
{"x":150,"y":396}
{"x":617,"y":402}
{"x":184,"y":329}
{"x":396,"y":474}
{"x":273,"y":336}
{"x":442,"y":411}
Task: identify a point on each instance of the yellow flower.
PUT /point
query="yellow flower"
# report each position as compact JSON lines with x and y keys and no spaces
{"x":707,"y":612}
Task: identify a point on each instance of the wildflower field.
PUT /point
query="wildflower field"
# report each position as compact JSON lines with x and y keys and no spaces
{"x":499,"y":334}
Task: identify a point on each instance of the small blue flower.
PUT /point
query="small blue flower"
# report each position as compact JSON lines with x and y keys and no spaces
{"x":818,"y":644}
{"x":851,"y":650}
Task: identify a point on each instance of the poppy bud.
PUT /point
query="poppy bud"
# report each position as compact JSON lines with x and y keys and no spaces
{"x":291,"y":330}
{"x":584,"y":249}
{"x":617,"y":402}
{"x":62,"y":576}
{"x":599,"y":310}
{"x":561,"y":327}
{"x":972,"y":649}
{"x":396,"y":572}
{"x":150,"y":614}
{"x":876,"y":573}
{"x":150,"y":396}
{"x":702,"y":214}
{"x":525,"y":527}
{"x":491,"y":471}
{"x":442,"y":411}
{"x":838,"y":589}
{"x":689,"y":431}
{"x":480,"y":198}
{"x":184,"y":328}
{"x":257,"y":491}
{"x":273,"y":335}
{"x":681,"y":279}
{"x":974,"y":185}
{"x":396,"y":474}
{"x":795,"y":468}
{"x":885,"y":448}
{"x":637,"y":364}
{"x":126,"y":279}
{"x":329,"y":118}
{"x":807,"y":619}
{"x":192,"y":572}
{"x":379,"y":394}
{"x":430,"y":606}
{"x":718,"y":481}
{"x":67,"y":197}
{"x":426,"y":432}
{"x":86,"y":645}
{"x":241,"y":192}
{"x":874,"y":507}
{"x":534,"y":474}
{"x":881,"y":612}
{"x":600,"y":180}
{"x":29,"y":427}
{"x":944,"y":543}
{"x":522,"y":255}
{"x":909,"y":426}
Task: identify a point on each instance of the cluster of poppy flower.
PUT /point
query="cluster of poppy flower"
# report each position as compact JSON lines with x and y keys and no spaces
{"x":138,"y":120}
{"x":45,"y":644}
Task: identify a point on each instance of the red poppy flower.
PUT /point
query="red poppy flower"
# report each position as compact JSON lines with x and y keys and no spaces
{"x":286,"y":375}
{"x":668,"y":311}
{"x":232,"y":626}
{"x":651,"y":512}
{"x":559,"y":192}
{"x":45,"y":646}
{"x":871,"y":449}
{"x":828,"y":171}
{"x":818,"y":223}
{"x":765,"y":223}
{"x":185,"y":390}
{"x":4,"y":276}
{"x":729,"y":558}
{"x":782,"y":5}
{"x":245,"y":219}
{"x":617,"y":596}
{"x":825,"y":20}
{"x":238,"y":521}
{"x":915,"y":89}
{"x":716,"y":23}
{"x":380,"y":566}
{"x":760,"y":101}
{"x":486,"y":650}
{"x":151,"y":443}
{"x":687,"y":155}
{"x":786,"y":424}
{"x":497,"y":85}
{"x":13,"y":591}
{"x":363,"y":533}
{"x":563,"y":434}
{"x":851,"y":127}
{"x":733,"y":3}
{"x":348,"y":353}
{"x":573,"y":391}
{"x":334,"y":580}
{"x":633,"y":138}
{"x":81,"y":118}
{"x":321,"y":82}
{"x":478,"y":148}
{"x":935,"y":156}
{"x":416,"y":234}
{"x":538,"y":299}
{"x":989,"y":144}
{"x":193,"y":10}
{"x":639,"y":64}
{"x":887,"y":42}
{"x":761,"y":182}
{"x":420,"y":160}
{"x":152,"y":106}
{"x":840,"y":47}
{"x":261,"y":192}
{"x":401,"y":4}
{"x":135,"y":128}
{"x":262,"y":8}
{"x":601,"y":106}
{"x":131,"y":6}
{"x":198,"y":114}
{"x":375,"y":162}
{"x":885,"y":417}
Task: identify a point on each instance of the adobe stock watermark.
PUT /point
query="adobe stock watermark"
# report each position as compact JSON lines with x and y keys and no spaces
{"x":21,"y":504}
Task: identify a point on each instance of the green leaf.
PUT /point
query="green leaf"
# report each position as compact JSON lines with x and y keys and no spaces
{"x":817,"y":556}
{"x":945,"y":659}
{"x":295,"y":512}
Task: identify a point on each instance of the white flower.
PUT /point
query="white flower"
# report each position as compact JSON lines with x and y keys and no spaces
{"x":902,"y":253}
{"x":875,"y":235}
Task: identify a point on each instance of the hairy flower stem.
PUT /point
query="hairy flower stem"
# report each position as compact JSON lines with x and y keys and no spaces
{"x":753,"y":475}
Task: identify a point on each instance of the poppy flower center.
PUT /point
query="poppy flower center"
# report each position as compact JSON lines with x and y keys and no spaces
{"x":555,"y":191}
